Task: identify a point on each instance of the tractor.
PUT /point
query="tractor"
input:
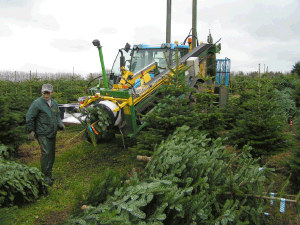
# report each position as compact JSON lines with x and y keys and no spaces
{"x":138,"y":72}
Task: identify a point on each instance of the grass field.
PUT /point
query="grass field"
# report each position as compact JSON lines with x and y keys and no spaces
{"x":77,"y":163}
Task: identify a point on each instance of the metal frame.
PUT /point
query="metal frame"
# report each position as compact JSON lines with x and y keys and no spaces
{"x":223,"y":71}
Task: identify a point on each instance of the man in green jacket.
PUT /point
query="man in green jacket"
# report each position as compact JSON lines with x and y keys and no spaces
{"x":42,"y":121}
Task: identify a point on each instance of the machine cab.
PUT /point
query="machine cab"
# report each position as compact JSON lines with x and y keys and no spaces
{"x":142,"y":55}
{"x":123,"y":58}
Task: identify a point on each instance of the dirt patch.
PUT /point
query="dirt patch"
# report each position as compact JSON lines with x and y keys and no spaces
{"x":32,"y":152}
{"x":27,"y":153}
{"x":54,"y":217}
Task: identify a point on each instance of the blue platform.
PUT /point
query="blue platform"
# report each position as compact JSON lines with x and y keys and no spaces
{"x":223,"y":71}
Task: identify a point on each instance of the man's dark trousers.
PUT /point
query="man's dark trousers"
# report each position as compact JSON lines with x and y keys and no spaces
{"x":48,"y":154}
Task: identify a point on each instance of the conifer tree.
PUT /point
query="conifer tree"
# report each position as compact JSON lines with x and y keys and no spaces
{"x":189,"y":180}
{"x":293,"y":162}
{"x":296,"y":68}
{"x":209,"y":115}
{"x":11,"y":130}
{"x":259,"y":121}
{"x":172,"y":111}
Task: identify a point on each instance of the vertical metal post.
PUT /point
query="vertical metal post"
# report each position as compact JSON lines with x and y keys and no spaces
{"x":30,"y":84}
{"x":103,"y":67}
{"x":71,"y":78}
{"x":16,"y":82}
{"x":168,"y":28}
{"x":194,"y":26}
{"x":225,"y":76}
{"x":259,"y":87}
{"x":7,"y":79}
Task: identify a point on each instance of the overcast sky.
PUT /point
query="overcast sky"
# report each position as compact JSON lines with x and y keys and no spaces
{"x":56,"y":35}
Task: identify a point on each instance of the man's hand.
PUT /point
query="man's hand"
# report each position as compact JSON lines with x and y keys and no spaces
{"x":31,"y":135}
{"x":62,"y":127}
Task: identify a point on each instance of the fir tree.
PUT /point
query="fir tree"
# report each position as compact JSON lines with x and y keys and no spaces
{"x":293,"y":162}
{"x":11,"y":129}
{"x":96,"y":125}
{"x":296,"y":68}
{"x":173,"y":110}
{"x":189,"y":180}
{"x":259,"y":122}
{"x":210,"y":117}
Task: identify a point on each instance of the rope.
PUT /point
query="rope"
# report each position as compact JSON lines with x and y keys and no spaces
{"x":79,"y":133}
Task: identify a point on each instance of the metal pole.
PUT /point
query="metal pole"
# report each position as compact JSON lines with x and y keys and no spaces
{"x":16,"y":82}
{"x":168,"y":29}
{"x":103,"y":67}
{"x":30,"y":84}
{"x":194,"y":26}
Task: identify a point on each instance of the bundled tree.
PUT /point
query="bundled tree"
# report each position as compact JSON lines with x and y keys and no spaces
{"x":187,"y":181}
{"x":20,"y":184}
{"x":97,"y":124}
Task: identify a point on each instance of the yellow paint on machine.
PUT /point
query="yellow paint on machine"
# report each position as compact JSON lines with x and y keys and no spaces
{"x":126,"y":109}
{"x":129,"y":101}
{"x":149,"y":91}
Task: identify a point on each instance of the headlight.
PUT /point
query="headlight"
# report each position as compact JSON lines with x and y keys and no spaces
{"x":140,"y":46}
{"x":163,"y":45}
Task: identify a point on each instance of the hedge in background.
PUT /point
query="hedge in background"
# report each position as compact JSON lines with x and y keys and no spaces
{"x":20,"y":184}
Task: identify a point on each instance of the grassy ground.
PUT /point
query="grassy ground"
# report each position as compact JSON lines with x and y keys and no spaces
{"x":77,"y":163}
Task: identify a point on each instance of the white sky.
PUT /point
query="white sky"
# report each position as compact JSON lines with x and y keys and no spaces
{"x":56,"y":35}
